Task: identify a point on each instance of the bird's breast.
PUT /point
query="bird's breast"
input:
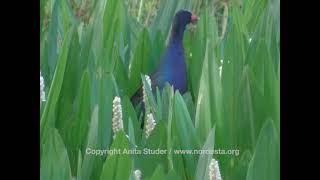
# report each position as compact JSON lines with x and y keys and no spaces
{"x":173,"y":72}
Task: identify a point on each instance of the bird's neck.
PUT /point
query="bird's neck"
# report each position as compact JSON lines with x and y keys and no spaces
{"x":175,"y":49}
{"x":176,"y":37}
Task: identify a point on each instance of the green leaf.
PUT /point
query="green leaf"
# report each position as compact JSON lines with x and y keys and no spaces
{"x":202,"y":171}
{"x":131,"y":132}
{"x":52,"y":37}
{"x":184,"y":129}
{"x":177,"y":159}
{"x":91,"y":165}
{"x":140,"y":62}
{"x":156,"y":141}
{"x":76,"y":131}
{"x":118,"y":166}
{"x":183,"y":124}
{"x":253,"y":10}
{"x":79,"y":165}
{"x":47,"y":118}
{"x":54,"y":161}
{"x":158,"y":173}
{"x":70,"y":85}
{"x":265,"y":163}
{"x":190,"y":105}
{"x":172,"y":175}
{"x":105,"y":97}
{"x":42,"y":14}
{"x":134,"y":126}
{"x":84,"y":110}
{"x":241,"y":167}
{"x":203,"y":110}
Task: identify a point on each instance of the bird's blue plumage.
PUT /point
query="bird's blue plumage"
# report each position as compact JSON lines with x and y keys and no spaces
{"x":172,"y":66}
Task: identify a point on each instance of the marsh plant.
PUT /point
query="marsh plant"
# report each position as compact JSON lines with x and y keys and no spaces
{"x":94,"y":55}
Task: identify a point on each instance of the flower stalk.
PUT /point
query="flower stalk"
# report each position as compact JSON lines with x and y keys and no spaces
{"x":150,"y":125}
{"x":117,"y":122}
{"x":42,"y":92}
{"x":214,"y":171}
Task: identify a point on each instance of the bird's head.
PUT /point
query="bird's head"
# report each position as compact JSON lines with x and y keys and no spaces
{"x":181,"y":19}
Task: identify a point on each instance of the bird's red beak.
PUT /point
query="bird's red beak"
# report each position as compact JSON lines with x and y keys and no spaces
{"x":194,"y":18}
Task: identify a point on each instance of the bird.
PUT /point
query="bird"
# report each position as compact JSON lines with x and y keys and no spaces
{"x":172,"y":66}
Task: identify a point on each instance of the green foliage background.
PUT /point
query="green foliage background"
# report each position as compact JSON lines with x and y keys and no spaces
{"x":94,"y":50}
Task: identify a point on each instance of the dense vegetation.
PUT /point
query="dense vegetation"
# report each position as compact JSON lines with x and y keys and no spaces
{"x":94,"y":50}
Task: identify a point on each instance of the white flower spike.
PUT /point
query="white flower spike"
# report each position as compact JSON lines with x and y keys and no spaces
{"x":220,"y":68}
{"x":42,"y":92}
{"x":117,"y":123}
{"x":150,"y":125}
{"x":144,"y":89}
{"x":148,"y":80}
{"x":137,"y":174}
{"x":214,"y":171}
{"x":220,"y":71}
